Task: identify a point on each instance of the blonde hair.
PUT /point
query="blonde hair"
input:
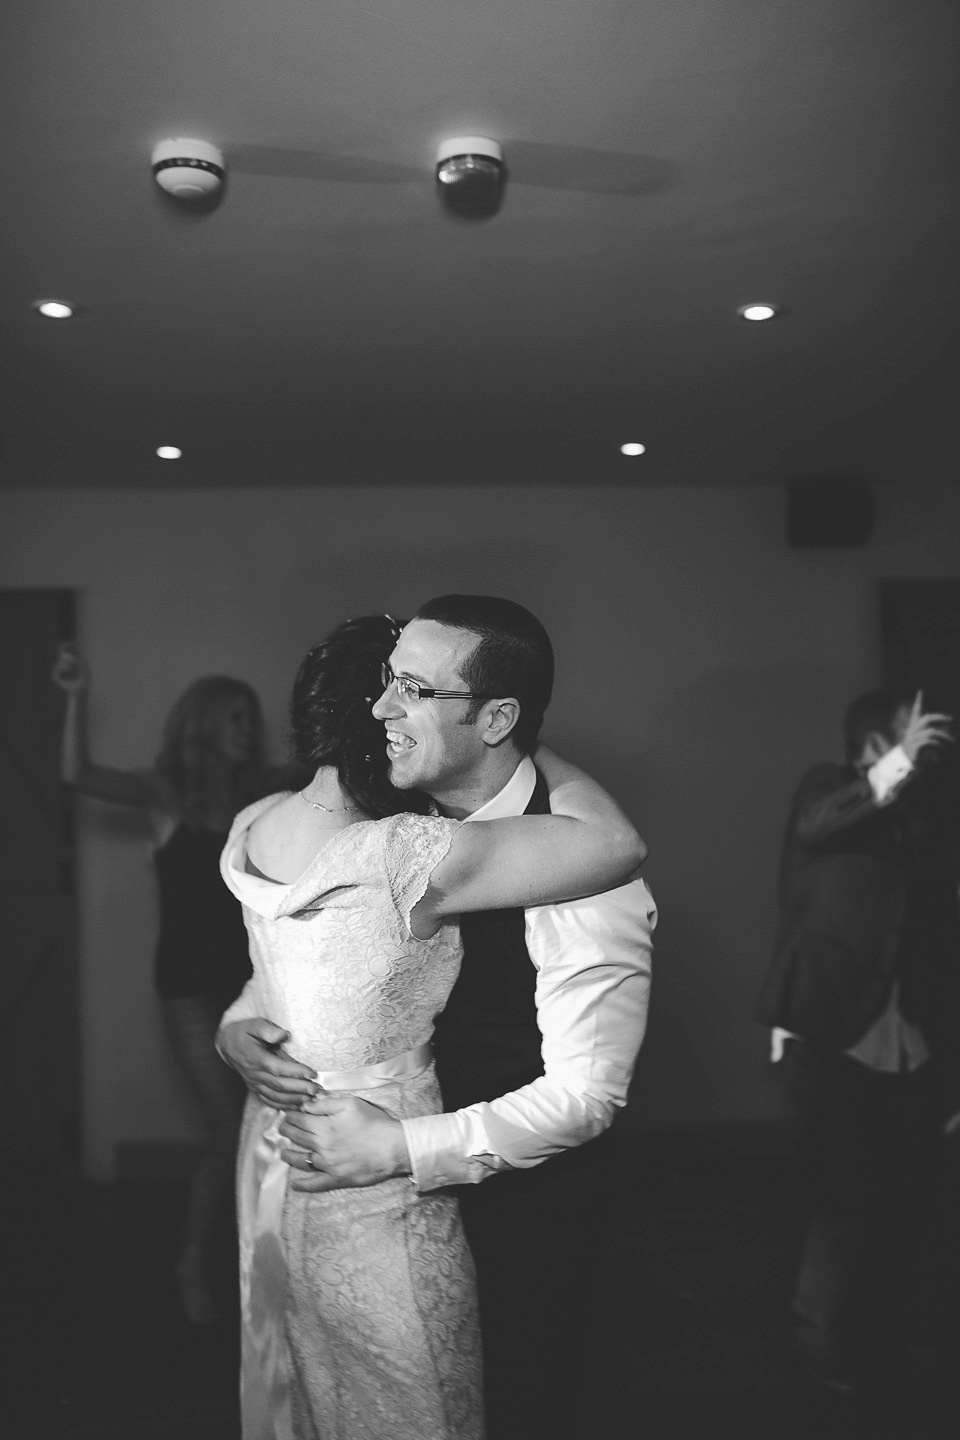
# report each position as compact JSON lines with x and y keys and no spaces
{"x":202,"y":780}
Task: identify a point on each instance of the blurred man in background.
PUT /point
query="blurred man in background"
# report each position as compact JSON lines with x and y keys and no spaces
{"x":863,"y":997}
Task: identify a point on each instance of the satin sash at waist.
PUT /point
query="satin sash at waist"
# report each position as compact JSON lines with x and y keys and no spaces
{"x":385,"y":1072}
{"x":261,"y":1188}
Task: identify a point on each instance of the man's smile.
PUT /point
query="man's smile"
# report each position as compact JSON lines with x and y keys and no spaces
{"x":397,"y":743}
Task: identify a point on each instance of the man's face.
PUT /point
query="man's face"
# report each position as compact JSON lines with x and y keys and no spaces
{"x":428,"y":745}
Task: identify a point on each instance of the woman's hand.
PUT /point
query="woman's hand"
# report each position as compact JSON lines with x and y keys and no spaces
{"x":70,"y":673}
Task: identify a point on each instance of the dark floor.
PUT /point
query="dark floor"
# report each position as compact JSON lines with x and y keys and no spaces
{"x":686,"y":1335}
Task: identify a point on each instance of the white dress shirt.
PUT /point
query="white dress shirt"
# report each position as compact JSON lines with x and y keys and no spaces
{"x":592,"y":958}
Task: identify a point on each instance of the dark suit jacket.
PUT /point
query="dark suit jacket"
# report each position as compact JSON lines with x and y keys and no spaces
{"x":845,"y":931}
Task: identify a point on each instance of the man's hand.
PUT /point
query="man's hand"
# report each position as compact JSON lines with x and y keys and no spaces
{"x":343,"y":1141}
{"x":921,"y":730}
{"x":255,"y":1050}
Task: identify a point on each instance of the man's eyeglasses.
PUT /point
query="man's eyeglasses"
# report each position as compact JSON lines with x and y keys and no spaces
{"x":413,"y":690}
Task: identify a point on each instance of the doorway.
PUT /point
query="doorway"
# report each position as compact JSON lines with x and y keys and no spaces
{"x":39,"y":990}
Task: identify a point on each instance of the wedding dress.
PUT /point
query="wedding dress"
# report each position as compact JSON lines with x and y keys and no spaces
{"x":358,"y":1306}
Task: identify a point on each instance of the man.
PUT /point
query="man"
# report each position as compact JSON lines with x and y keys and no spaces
{"x":537,"y":1044}
{"x":863,"y":998}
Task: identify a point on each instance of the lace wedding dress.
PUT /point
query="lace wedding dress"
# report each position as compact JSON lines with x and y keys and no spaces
{"x":358,"y":1306}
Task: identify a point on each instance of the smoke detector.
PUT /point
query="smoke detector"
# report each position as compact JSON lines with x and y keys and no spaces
{"x":188,"y":169}
{"x":471,"y":173}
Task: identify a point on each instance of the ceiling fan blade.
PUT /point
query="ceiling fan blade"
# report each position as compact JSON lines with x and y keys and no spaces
{"x":573,"y":167}
{"x":287,"y":164}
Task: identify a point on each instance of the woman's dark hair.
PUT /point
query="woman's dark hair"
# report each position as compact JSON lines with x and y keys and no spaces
{"x":330,"y":713}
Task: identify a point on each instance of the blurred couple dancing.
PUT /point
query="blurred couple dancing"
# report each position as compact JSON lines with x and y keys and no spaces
{"x":451,"y":969}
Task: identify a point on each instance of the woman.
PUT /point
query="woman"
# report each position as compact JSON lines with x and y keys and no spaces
{"x":210,"y":766}
{"x":358,"y":1306}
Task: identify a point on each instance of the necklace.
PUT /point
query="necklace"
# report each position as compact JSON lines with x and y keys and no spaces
{"x":330,"y":809}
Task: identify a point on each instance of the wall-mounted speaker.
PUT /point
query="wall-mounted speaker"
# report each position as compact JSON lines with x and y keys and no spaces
{"x":830,"y":512}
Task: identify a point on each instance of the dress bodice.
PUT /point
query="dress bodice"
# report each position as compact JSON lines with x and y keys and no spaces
{"x":334,"y":959}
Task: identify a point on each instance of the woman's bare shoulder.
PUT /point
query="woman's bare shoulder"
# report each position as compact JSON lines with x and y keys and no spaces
{"x":264,"y":817}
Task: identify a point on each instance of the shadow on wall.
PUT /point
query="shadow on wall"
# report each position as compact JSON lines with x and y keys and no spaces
{"x":725,"y":753}
{"x":906,"y":512}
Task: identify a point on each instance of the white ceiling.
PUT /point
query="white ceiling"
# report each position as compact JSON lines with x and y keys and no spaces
{"x":669,"y":161}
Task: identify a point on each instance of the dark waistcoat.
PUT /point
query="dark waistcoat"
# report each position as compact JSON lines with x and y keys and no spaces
{"x":487,"y":1040}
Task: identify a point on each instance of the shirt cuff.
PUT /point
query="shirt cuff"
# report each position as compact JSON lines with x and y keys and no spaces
{"x":438,"y":1147}
{"x":889,"y":772}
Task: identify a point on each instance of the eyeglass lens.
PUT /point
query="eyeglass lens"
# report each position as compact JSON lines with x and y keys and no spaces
{"x":408,"y":689}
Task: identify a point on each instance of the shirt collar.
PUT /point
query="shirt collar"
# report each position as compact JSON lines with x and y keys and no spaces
{"x":514,"y":798}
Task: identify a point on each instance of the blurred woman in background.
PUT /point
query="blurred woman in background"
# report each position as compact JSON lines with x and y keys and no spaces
{"x":209,"y":767}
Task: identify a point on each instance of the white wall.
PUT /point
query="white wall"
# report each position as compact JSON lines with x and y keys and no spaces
{"x":701,"y":665}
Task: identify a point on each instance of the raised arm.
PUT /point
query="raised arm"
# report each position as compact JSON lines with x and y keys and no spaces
{"x":825,"y":807}
{"x":122,"y":787}
{"x":827,"y":803}
{"x":587,"y":845}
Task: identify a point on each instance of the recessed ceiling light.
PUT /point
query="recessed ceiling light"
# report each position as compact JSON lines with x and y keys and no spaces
{"x":632,"y":447}
{"x":54,"y":309}
{"x":757,"y":311}
{"x":169,"y":452}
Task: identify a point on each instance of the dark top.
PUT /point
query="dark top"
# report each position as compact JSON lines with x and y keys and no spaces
{"x":202,"y":949}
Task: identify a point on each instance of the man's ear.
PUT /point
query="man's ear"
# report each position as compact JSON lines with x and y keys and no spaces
{"x":499,"y":719}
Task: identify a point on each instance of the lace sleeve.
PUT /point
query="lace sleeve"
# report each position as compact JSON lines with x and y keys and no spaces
{"x":413,"y":847}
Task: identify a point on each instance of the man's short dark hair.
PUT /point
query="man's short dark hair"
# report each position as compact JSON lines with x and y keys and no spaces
{"x":513,"y":656}
{"x":874,"y":713}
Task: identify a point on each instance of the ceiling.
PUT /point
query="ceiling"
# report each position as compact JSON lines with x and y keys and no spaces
{"x":327,"y":322}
